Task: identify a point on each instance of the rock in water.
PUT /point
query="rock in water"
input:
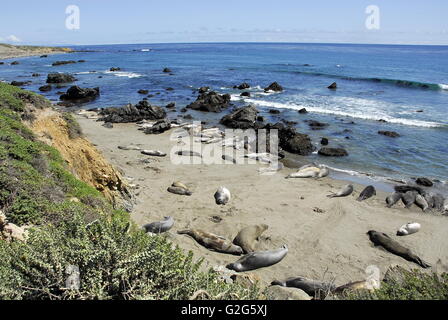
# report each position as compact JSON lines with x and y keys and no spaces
{"x":210,"y":102}
{"x":80,"y":95}
{"x":274,"y":87}
{"x":333,"y":86}
{"x":391,"y":134}
{"x":132,"y":113}
{"x":242,"y":118}
{"x":424,"y":182}
{"x":333,"y":152}
{"x":60,"y":78}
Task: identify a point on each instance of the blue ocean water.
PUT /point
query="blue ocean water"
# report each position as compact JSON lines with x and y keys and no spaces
{"x":375,"y":82}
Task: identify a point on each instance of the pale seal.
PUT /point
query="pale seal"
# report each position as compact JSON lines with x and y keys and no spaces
{"x":311,"y":287}
{"x":409,"y":228}
{"x":222,"y":196}
{"x":256,"y":260}
{"x":354,"y":286}
{"x":445,"y":205}
{"x":179,"y":191}
{"x":154,"y":153}
{"x":393,"y":199}
{"x":160,"y":226}
{"x":421,"y":202}
{"x":213,"y":242}
{"x":344,"y":192}
{"x":382,"y":239}
{"x":367,"y":193}
{"x":130,"y":147}
{"x":307,"y":172}
{"x":324,"y":172}
{"x":247,"y":237}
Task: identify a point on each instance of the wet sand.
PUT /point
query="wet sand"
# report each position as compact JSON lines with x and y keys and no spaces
{"x":326,"y":237}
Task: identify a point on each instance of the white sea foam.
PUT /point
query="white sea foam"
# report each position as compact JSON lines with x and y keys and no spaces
{"x":146,"y":50}
{"x":368,"y":112}
{"x":443,"y":86}
{"x":122,"y":74}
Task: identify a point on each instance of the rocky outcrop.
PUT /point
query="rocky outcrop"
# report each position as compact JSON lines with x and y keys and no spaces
{"x":210,"y":102}
{"x":292,"y":141}
{"x":60,"y":63}
{"x":241,"y":118}
{"x":114,"y":69}
{"x":303,"y":111}
{"x":60,"y":78}
{"x":158,"y":127}
{"x":391,"y":134}
{"x":333,"y":152}
{"x":242,"y":86}
{"x":20,"y":83}
{"x":45,"y":88}
{"x":76,"y":94}
{"x":132,"y":113}
{"x":274,"y":87}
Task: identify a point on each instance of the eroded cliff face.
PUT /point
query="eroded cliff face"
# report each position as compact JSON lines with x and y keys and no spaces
{"x":82,"y":158}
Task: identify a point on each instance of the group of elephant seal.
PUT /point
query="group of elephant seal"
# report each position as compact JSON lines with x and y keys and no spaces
{"x":382,"y":239}
{"x":260,"y":259}
{"x":160,"y":226}
{"x":247,"y":237}
{"x":212,"y":241}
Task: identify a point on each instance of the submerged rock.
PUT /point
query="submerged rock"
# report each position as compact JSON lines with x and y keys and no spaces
{"x":333,"y":86}
{"x":391,"y":134}
{"x":60,"y":63}
{"x":242,"y":86}
{"x":45,"y":88}
{"x":20,"y":83}
{"x":333,"y":152}
{"x":113,"y":69}
{"x":132,"y":113}
{"x":274,"y":87}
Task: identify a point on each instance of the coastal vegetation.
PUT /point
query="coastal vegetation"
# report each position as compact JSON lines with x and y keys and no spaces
{"x":73,"y":230}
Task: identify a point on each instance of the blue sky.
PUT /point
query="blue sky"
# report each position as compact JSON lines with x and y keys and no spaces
{"x":149,"y":21}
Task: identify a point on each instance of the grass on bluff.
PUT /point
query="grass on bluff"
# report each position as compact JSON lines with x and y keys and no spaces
{"x":115,"y":259}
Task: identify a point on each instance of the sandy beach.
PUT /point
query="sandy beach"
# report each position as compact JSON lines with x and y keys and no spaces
{"x":326,"y":237}
{"x":9,"y":51}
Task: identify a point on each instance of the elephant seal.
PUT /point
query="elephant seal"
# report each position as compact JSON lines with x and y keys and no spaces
{"x":409,"y":228}
{"x":421,"y":202}
{"x":256,"y":260}
{"x":311,"y":287}
{"x":438,"y":202}
{"x":344,"y":192}
{"x":179,"y":184}
{"x":445,"y":205}
{"x":393,"y":199}
{"x":367,"y":193}
{"x":130,"y":147}
{"x":188,"y":153}
{"x":228,"y":158}
{"x":305,"y":172}
{"x":222,"y":196}
{"x":179,"y":191}
{"x":160,"y":226}
{"x":246,"y":237}
{"x":213,"y":242}
{"x":409,"y":198}
{"x":429,"y":199}
{"x":354,"y":286}
{"x":154,"y":153}
{"x":324,"y":172}
{"x":382,"y":239}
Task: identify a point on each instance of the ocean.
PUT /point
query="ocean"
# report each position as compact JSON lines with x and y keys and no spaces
{"x":407,"y":86}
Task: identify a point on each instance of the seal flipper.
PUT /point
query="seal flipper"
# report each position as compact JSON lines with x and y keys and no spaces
{"x":422,"y":263}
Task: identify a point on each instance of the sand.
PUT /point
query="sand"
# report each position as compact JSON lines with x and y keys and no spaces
{"x":331,"y":245}
{"x":10,"y":51}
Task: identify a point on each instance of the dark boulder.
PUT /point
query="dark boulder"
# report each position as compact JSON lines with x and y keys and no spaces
{"x":188,"y":117}
{"x":20,"y":83}
{"x":303,"y":111}
{"x":274,"y":111}
{"x":81,"y":61}
{"x":333,"y":86}
{"x":169,"y":89}
{"x":60,"y":63}
{"x":15,"y":63}
{"x":242,"y":86}
{"x":324,"y":141}
{"x":424,"y":182}
{"x":260,"y":119}
{"x":1,"y":63}
{"x":333,"y":152}
{"x":171,"y":105}
{"x":60,"y":78}
{"x":290,"y":140}
{"x":245,"y":94}
{"x":35,"y":75}
{"x":316,"y":125}
{"x":274,"y":87}
{"x":132,"y":113}
{"x":391,"y":134}
{"x":183,"y":110}
{"x":159,"y":127}
{"x":76,"y":94}
{"x":241,"y":118}
{"x":113,"y":69}
{"x":167,"y":70}
{"x":210,"y":102}
{"x":44,"y":56}
{"x":142,"y":91}
{"x":203,"y":89}
{"x":45,"y":88}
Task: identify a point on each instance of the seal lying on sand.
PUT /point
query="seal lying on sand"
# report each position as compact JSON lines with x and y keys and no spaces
{"x":179,"y":191}
{"x":354,"y":286}
{"x":188,"y":153}
{"x":409,"y":198}
{"x":256,"y":260}
{"x":311,"y":287}
{"x":382,"y":239}
{"x":130,"y":147}
{"x":246,"y":237}
{"x":393,"y":199}
{"x":222,"y":196}
{"x":213,"y":242}
{"x":160,"y":226}
{"x":307,"y":172}
{"x":324,"y":172}
{"x":344,"y":192}
{"x":367,"y":193}
{"x":154,"y":153}
{"x":408,"y":229}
